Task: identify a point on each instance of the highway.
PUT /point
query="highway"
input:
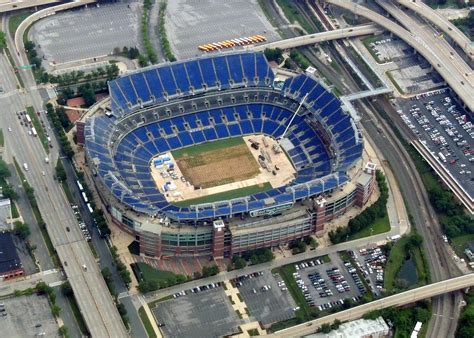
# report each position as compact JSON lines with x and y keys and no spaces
{"x":459,"y":78}
{"x":8,"y":5}
{"x":92,"y":295}
{"x":403,"y":298}
{"x":312,"y":39}
{"x":442,"y":23}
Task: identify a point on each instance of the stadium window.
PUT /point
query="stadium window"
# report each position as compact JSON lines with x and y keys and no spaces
{"x":231,"y":82}
{"x":256,"y":79}
{"x":249,"y":114}
{"x":267,"y":81}
{"x":265,"y":98}
{"x":232,"y":99}
{"x":194,"y":105}
{"x":211,"y":120}
{"x":206,"y":103}
{"x":285,"y":101}
{"x":178,"y":91}
{"x":186,"y":126}
{"x":168,"y":112}
{"x":204,"y":86}
{"x":181,"y":109}
{"x":199,"y":123}
{"x":236,"y":116}
{"x":245,"y":81}
{"x":155,"y":114}
{"x":275,"y":99}
{"x":219,"y":101}
{"x":255,"y":98}
{"x":263,"y":114}
{"x":246,"y":98}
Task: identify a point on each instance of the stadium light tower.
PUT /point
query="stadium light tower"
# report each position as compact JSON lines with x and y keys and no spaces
{"x":293,"y":117}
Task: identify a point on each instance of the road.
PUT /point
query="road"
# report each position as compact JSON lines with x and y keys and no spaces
{"x":442,"y":23}
{"x":310,"y":254}
{"x":93,"y":298}
{"x":8,"y":5}
{"x":403,"y":298}
{"x":312,"y":39}
{"x":50,"y":277}
{"x":453,"y":71}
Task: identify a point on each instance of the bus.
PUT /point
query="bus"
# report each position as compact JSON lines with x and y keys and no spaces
{"x":84,"y":197}
{"x":89,"y":207}
{"x":79,"y":185}
{"x":28,"y":118}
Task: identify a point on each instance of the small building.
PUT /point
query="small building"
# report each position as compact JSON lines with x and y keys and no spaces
{"x":5,"y":214}
{"x":469,"y":251}
{"x":10,"y":264}
{"x":360,"y":328}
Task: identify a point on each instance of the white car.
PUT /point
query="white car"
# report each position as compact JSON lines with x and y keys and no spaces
{"x":9,"y":129}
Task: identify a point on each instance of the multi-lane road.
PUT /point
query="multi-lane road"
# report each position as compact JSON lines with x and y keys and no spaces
{"x":444,"y":60}
{"x":92,"y":295}
{"x":442,"y":23}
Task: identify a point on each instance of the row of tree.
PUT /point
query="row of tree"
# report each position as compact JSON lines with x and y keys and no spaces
{"x":367,"y":217}
{"x":165,"y":44}
{"x":53,"y":115}
{"x":252,"y":257}
{"x":150,"y":51}
{"x":108,"y":72}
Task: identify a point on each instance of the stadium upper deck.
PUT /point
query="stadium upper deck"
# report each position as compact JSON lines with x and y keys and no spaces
{"x":170,"y":106}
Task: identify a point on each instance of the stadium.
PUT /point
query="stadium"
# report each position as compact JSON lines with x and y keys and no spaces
{"x":217,"y":156}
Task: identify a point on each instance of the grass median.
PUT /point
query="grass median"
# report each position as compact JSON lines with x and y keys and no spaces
{"x":146,"y":323}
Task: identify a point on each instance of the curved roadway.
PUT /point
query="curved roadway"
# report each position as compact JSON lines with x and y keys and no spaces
{"x":442,"y":23}
{"x":461,"y":82}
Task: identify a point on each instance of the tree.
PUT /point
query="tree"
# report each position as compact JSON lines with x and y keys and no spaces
{"x":8,"y":192}
{"x":55,"y":309}
{"x":4,"y":171}
{"x":22,"y":230}
{"x":142,"y":60}
{"x":60,"y":172}
{"x":66,"y":289}
{"x":3,"y":40}
{"x":63,"y":331}
{"x":274,"y":54}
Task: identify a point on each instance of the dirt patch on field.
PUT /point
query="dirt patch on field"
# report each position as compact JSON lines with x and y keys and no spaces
{"x":217,"y":167}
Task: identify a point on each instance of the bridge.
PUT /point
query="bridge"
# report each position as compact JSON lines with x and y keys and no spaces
{"x":460,"y":82}
{"x":442,"y":23}
{"x":8,"y":5}
{"x":311,"y":39}
{"x":400,"y":299}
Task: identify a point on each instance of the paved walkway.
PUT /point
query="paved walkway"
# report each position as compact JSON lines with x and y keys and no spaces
{"x":51,"y":277}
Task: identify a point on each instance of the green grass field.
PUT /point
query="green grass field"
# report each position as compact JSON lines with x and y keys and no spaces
{"x":380,"y":226}
{"x":146,"y":323}
{"x":208,"y":146}
{"x":2,"y":141}
{"x":149,"y":273}
{"x":15,"y":21}
{"x":226,"y":195}
{"x":460,"y":243}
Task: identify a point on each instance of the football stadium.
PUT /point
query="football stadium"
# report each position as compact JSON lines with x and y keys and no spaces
{"x":218,"y":155}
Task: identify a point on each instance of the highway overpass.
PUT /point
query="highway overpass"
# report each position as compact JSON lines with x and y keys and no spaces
{"x":461,"y":82}
{"x":442,"y":23}
{"x":92,"y":295}
{"x":311,"y":39}
{"x":400,"y":299}
{"x":8,"y":5}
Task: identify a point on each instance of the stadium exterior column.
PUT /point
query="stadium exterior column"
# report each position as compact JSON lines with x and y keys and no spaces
{"x":218,"y":239}
{"x":320,"y":216}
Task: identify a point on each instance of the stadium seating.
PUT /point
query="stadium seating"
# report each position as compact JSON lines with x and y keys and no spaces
{"x":121,"y":155}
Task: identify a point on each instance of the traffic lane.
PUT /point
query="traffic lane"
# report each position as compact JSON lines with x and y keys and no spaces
{"x":66,"y":313}
{"x":138,"y":331}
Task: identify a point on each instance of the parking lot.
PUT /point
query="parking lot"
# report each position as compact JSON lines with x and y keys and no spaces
{"x":27,"y":316}
{"x":447,"y":131}
{"x":86,"y":33}
{"x":267,"y":299}
{"x":193,"y":23}
{"x":207,"y":313}
{"x":327,"y":285}
{"x":371,"y":263}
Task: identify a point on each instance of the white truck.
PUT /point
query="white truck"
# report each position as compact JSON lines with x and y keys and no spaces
{"x":25,"y":166}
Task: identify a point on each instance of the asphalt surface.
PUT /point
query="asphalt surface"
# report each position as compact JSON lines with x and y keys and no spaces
{"x":83,"y":273}
{"x":87,"y":32}
{"x":193,"y":23}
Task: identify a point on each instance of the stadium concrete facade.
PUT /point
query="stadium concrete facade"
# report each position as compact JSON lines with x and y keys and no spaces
{"x":167,"y":107}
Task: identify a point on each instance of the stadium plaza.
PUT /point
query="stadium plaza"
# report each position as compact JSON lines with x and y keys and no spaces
{"x":331,"y":172}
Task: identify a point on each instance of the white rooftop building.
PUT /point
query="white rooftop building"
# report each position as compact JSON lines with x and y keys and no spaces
{"x":361,"y":328}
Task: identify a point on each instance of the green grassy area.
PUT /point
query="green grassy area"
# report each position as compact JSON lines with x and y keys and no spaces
{"x":367,"y":41}
{"x":2,"y":140}
{"x":16,"y":20}
{"x":460,"y":243}
{"x":208,"y":146}
{"x":380,"y":226}
{"x":39,"y":128}
{"x":226,"y":195}
{"x":396,"y":260}
{"x":153,"y":304}
{"x":365,"y":68}
{"x":286,"y":273}
{"x":12,"y":63}
{"x":146,"y":323}
{"x":150,"y":273}
{"x":463,"y":25}
{"x":15,"y":213}
{"x":395,"y":83}
{"x":447,"y":4}
{"x":67,"y":191}
{"x":293,"y":15}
